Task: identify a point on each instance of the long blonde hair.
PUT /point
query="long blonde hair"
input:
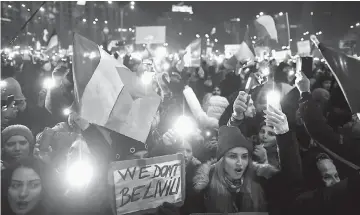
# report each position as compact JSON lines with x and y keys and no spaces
{"x":221,"y":199}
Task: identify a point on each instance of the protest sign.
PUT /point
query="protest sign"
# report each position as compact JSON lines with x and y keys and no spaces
{"x":231,"y":49}
{"x":144,"y":184}
{"x":304,"y":48}
{"x":281,"y":55}
{"x":150,"y":34}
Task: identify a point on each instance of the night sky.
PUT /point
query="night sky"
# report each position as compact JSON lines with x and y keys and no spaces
{"x":216,"y":12}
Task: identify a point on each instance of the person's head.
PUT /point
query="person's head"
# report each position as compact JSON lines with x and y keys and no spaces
{"x":216,"y":91}
{"x":321,"y":96}
{"x":17,"y":141}
{"x":13,"y":88}
{"x":327,"y":170}
{"x":234,"y":151}
{"x":326,"y":84}
{"x":251,"y":110}
{"x":187,"y":151}
{"x":24,"y":186}
{"x":267,"y":136}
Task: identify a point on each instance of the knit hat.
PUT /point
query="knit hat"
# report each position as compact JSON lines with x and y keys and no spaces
{"x":229,"y":138}
{"x":20,"y":130}
{"x":217,"y":106}
{"x":12,"y":88}
{"x":320,"y":95}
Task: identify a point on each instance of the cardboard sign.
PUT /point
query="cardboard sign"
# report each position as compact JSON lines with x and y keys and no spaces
{"x":231,"y":49}
{"x":150,"y":34}
{"x":144,"y":184}
{"x":281,"y":55}
{"x":304,"y":47}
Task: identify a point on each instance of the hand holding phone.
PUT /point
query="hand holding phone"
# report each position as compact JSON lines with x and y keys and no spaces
{"x":298,"y":65}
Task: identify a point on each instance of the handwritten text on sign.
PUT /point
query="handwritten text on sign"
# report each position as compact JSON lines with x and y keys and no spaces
{"x":138,"y":187}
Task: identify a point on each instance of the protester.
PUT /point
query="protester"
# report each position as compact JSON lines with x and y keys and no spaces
{"x":23,"y":188}
{"x":18,"y":142}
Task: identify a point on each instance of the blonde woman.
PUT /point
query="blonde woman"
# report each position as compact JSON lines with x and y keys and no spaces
{"x":236,"y":184}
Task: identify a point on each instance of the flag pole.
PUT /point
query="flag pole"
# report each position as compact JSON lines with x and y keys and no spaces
{"x":288,"y":28}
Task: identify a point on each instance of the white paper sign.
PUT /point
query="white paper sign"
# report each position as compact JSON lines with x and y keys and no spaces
{"x":231,"y":49}
{"x":304,"y":47}
{"x":150,"y":34}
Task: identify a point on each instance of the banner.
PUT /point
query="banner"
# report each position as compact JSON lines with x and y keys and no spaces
{"x":231,"y":49}
{"x":150,"y":34}
{"x":144,"y":184}
{"x":281,"y":55}
{"x":304,"y":48}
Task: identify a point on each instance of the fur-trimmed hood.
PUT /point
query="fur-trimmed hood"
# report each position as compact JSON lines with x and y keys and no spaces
{"x":202,"y":176}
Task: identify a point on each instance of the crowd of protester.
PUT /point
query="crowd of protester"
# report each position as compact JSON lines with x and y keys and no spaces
{"x":245,"y":156}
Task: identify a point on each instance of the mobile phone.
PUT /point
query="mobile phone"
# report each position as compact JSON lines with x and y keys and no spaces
{"x":306,"y":66}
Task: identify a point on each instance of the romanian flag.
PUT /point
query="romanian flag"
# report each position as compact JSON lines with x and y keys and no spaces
{"x":53,"y":43}
{"x":265,"y":27}
{"x":108,"y":94}
{"x":346,"y":71}
{"x":192,"y":58}
{"x":245,"y":53}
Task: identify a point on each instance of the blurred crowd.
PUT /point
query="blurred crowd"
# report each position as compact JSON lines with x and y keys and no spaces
{"x":245,"y":153}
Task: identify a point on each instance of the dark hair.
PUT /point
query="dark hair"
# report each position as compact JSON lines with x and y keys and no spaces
{"x":31,"y":163}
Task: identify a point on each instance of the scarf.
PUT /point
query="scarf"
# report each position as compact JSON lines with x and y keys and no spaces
{"x":234,"y":186}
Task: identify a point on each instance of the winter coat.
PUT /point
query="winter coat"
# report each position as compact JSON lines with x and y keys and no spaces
{"x":279,"y":187}
{"x":346,"y":146}
{"x":216,"y":108}
{"x":341,"y":198}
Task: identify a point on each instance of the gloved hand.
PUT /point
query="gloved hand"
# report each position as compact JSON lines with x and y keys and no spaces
{"x":240,"y":105}
{"x":277,"y":119}
{"x":302,"y":82}
{"x":169,"y":138}
{"x":260,"y":154}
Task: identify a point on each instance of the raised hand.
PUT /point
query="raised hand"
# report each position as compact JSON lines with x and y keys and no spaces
{"x":277,"y":119}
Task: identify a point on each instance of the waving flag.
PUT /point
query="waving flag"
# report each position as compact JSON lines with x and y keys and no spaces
{"x":265,"y":26}
{"x":53,"y":44}
{"x":346,"y":71}
{"x":193,"y":54}
{"x":108,"y":94}
{"x":244,"y":54}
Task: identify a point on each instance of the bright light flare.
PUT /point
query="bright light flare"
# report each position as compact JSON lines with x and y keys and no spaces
{"x":3,"y":84}
{"x":147,"y":78}
{"x":265,"y":71}
{"x":66,"y":111}
{"x":291,"y":73}
{"x":273,"y":98}
{"x":79,"y":174}
{"x":49,"y":83}
{"x":166,"y":66}
{"x":161,"y":52}
{"x":184,"y":126}
{"x":208,"y":133}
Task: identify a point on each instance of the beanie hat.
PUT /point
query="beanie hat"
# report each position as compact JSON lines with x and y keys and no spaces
{"x":229,"y":138}
{"x":320,"y":95}
{"x":20,"y":130}
{"x":217,"y":106}
{"x":12,"y":88}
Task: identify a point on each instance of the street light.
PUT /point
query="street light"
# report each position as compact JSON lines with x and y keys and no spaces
{"x":96,"y":19}
{"x":216,"y":40}
{"x":84,"y":20}
{"x":352,"y":26}
{"x":281,"y":13}
{"x":23,"y":5}
{"x":132,"y":3}
{"x":206,"y":35}
{"x":312,"y":13}
{"x":42,"y":9}
{"x":302,"y":39}
{"x":261,"y":13}
{"x":109,"y":2}
{"x":197,"y":35}
{"x":358,"y":24}
{"x":105,"y":22}
{"x":257,"y":16}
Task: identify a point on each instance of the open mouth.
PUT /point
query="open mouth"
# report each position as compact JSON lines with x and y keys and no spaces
{"x":22,"y":205}
{"x":238,"y":170}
